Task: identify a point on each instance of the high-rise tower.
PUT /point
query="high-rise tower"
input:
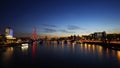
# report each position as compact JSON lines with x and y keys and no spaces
{"x":8,"y":32}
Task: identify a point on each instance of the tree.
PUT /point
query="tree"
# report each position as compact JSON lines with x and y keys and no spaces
{"x":109,"y":38}
{"x":103,"y":39}
{"x":2,"y":39}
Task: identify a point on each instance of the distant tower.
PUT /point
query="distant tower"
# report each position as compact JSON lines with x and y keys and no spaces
{"x":8,"y":32}
{"x":34,"y":35}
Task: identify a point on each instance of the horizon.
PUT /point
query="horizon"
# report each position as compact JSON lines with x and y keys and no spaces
{"x":21,"y":35}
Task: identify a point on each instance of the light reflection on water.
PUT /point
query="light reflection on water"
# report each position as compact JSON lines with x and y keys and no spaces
{"x":7,"y":54}
{"x":118,"y":56}
{"x":82,"y":53}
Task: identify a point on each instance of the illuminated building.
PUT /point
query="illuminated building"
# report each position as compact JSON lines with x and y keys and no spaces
{"x":98,"y":36}
{"x":9,"y":35}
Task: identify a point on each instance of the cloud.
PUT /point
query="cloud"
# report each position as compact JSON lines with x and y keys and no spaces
{"x":65,"y":31}
{"x":48,"y":30}
{"x":74,"y":28}
{"x":48,"y":25}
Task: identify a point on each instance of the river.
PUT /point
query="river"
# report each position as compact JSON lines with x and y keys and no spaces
{"x":59,"y":56}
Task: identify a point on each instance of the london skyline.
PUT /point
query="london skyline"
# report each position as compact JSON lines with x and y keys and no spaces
{"x":60,"y":17}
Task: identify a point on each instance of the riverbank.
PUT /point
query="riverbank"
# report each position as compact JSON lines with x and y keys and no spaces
{"x":13,"y":44}
{"x":114,"y":46}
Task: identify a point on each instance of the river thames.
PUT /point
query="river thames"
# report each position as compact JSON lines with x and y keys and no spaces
{"x":59,"y":56}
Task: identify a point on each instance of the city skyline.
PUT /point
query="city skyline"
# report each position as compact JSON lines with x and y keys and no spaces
{"x":60,"y":17}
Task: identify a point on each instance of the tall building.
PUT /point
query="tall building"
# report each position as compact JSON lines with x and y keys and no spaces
{"x":8,"y":33}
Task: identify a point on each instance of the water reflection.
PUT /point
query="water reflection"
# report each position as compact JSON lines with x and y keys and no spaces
{"x":34,"y":50}
{"x":118,"y":56}
{"x":73,"y":47}
{"x":70,"y":53}
{"x":100,"y":51}
{"x":91,"y":50}
{"x":7,"y":54}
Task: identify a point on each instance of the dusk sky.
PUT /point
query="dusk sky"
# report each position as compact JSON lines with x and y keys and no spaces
{"x":60,"y":17}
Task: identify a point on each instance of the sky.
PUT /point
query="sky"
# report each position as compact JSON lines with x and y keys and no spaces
{"x":60,"y":17}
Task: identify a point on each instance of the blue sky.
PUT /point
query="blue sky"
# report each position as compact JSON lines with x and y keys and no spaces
{"x":60,"y":17}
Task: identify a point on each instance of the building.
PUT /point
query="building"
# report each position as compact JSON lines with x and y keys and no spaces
{"x":98,"y":35}
{"x":9,"y":35}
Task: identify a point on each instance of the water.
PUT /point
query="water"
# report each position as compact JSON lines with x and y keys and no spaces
{"x":59,"y":56}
